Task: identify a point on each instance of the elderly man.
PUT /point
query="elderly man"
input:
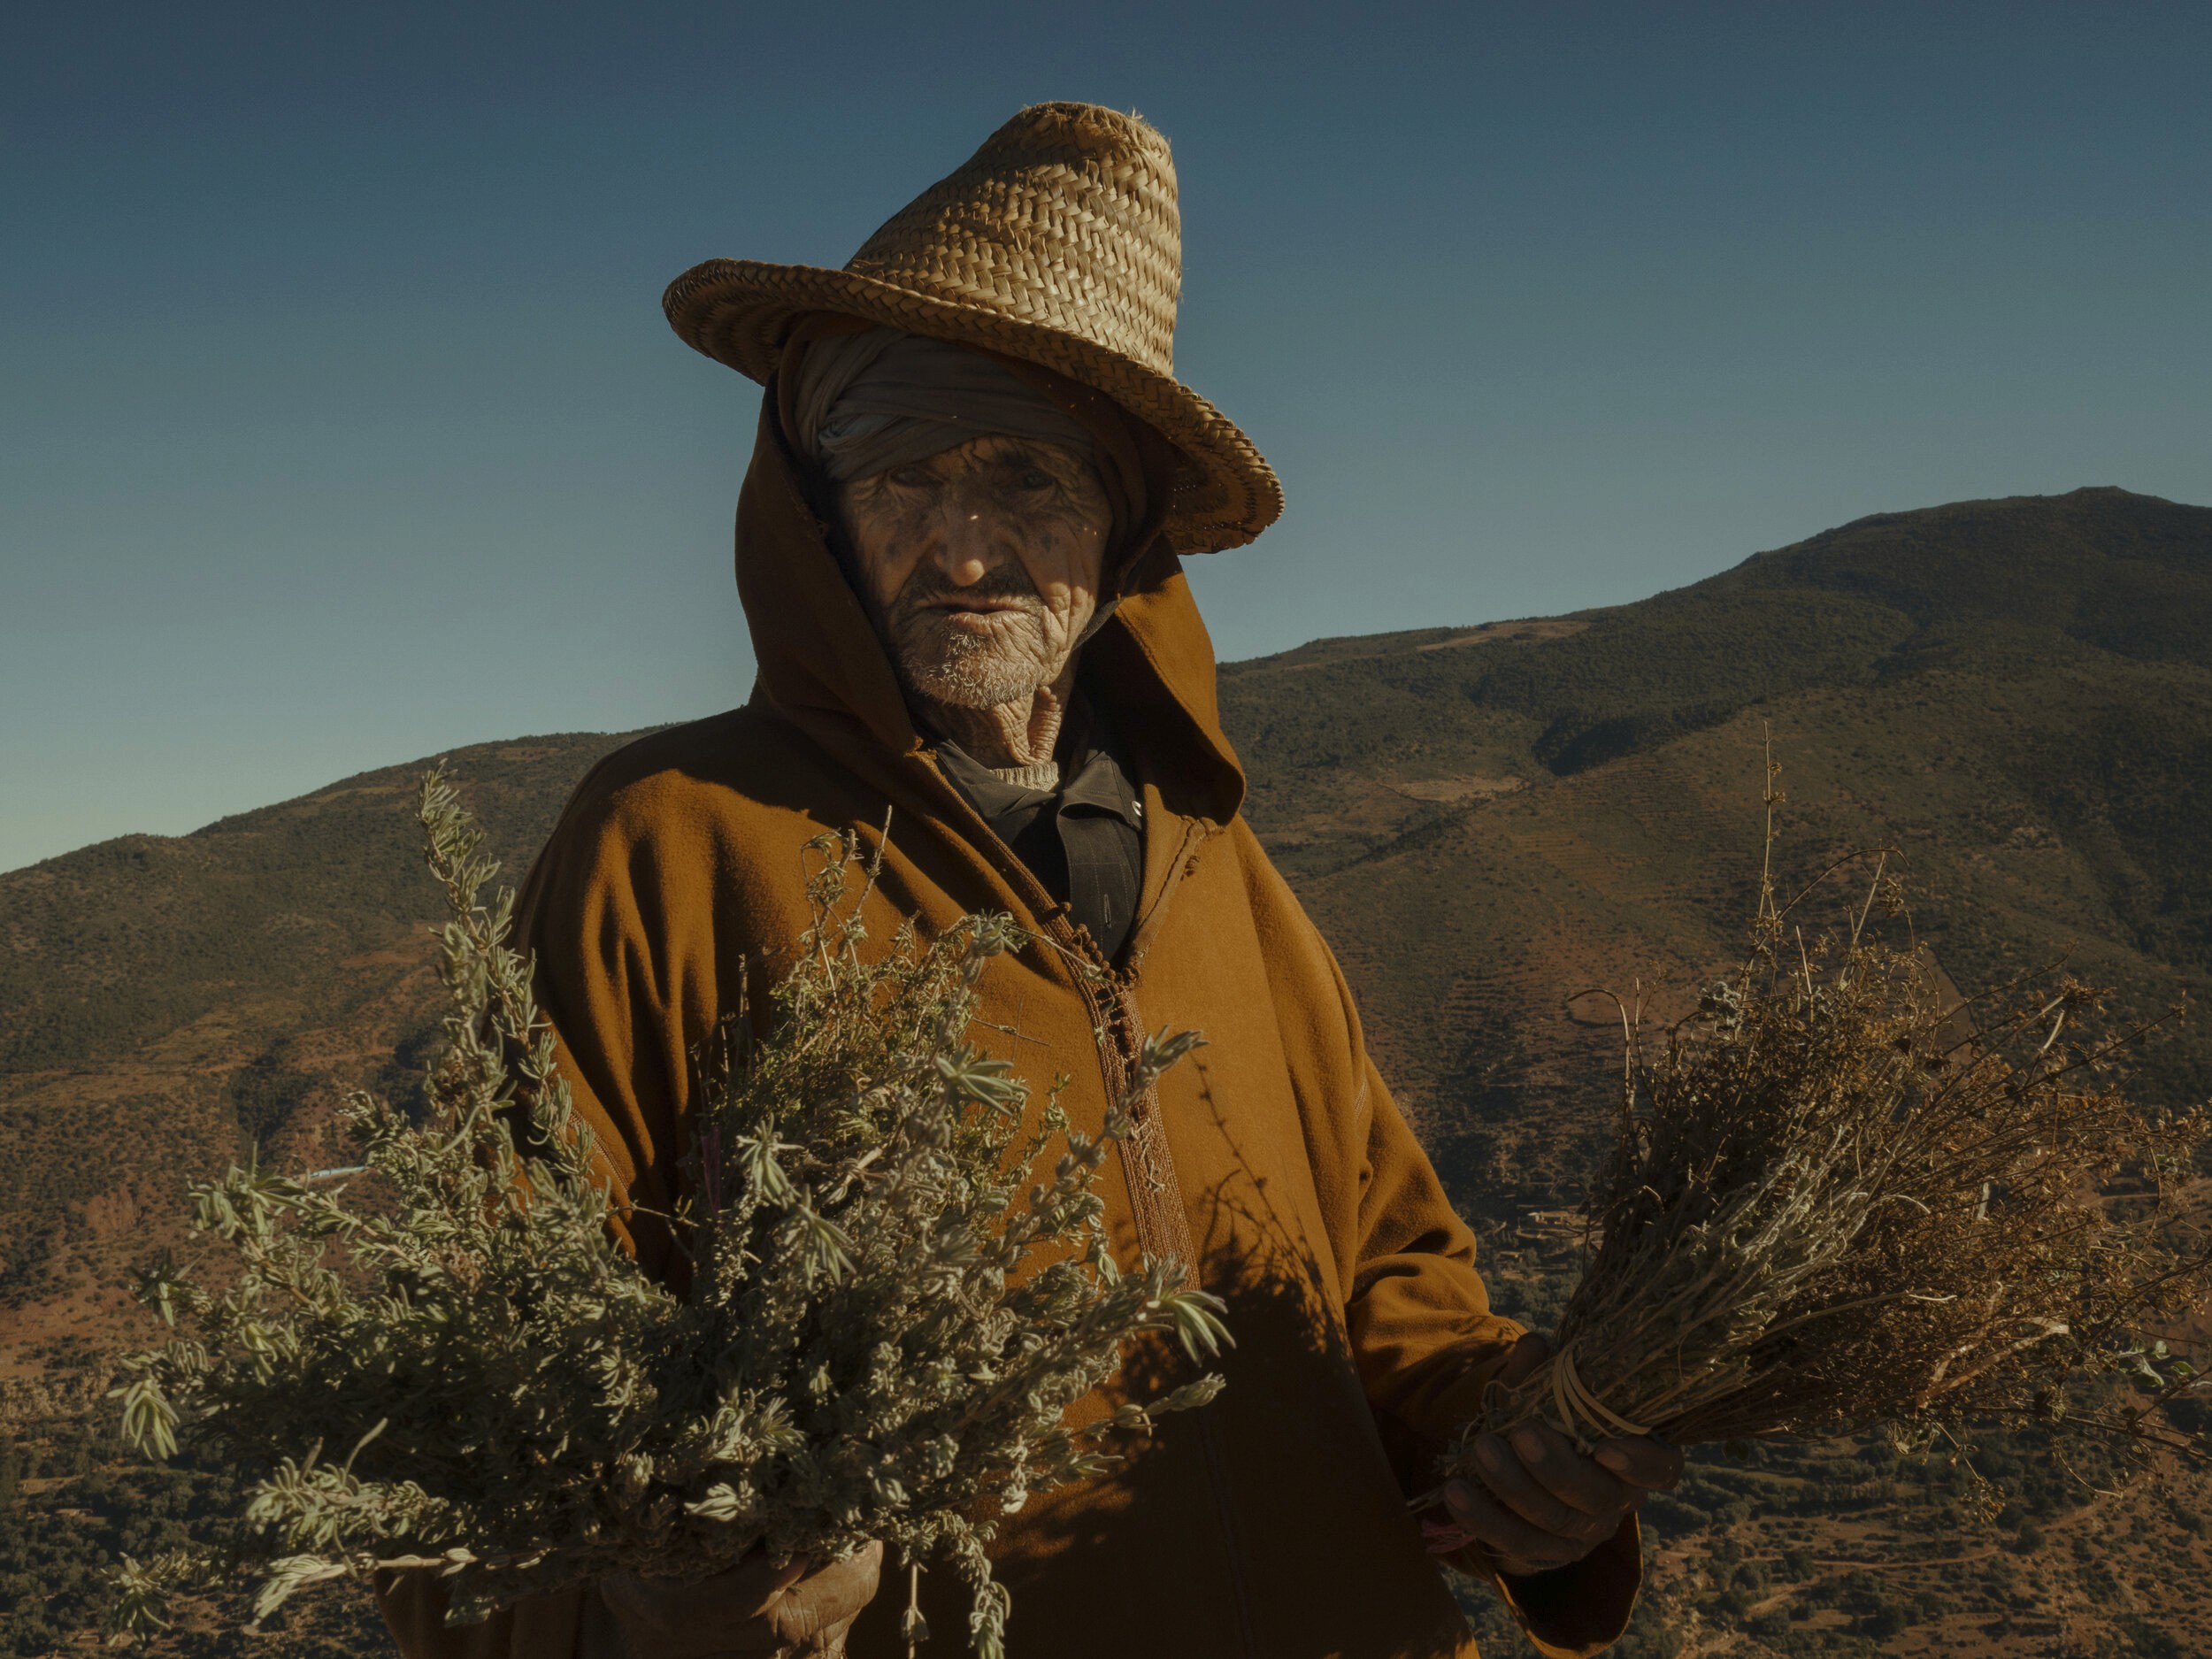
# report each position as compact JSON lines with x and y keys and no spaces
{"x":959,"y":549}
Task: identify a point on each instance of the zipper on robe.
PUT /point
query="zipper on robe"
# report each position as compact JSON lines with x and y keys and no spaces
{"x":1148,"y":1160}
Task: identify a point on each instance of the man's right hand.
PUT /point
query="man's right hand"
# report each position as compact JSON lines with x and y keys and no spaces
{"x":1541,"y":1503}
{"x":751,"y":1609}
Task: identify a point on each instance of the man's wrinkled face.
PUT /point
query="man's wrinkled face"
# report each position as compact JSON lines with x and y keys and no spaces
{"x":981,"y":565}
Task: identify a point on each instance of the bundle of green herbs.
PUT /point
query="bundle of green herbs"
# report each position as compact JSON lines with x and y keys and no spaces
{"x":1841,"y":1201}
{"x":444,"y":1359}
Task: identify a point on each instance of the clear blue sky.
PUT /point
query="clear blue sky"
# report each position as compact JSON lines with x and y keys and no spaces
{"x":339,"y":424}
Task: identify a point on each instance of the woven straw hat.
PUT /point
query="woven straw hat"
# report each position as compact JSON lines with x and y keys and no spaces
{"x":1057,"y":243}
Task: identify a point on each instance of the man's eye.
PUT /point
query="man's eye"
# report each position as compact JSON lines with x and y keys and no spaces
{"x":1035,"y":478}
{"x":909,"y":477}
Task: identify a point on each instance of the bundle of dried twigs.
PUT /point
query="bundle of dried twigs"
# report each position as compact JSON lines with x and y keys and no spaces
{"x":1842,"y":1199}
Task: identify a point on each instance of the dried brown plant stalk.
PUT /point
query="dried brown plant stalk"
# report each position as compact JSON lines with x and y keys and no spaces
{"x":1838,"y":1200}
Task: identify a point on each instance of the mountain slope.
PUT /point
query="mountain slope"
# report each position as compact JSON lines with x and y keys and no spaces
{"x":164,"y":1000}
{"x":2014,"y":696}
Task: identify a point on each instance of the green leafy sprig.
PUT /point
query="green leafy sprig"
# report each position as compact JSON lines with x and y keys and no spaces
{"x":894,"y":1301}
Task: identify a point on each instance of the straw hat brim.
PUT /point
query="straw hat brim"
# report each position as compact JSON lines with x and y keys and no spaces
{"x":739,"y":311}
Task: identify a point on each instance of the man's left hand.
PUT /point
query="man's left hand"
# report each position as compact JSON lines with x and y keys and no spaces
{"x":1541,"y":1503}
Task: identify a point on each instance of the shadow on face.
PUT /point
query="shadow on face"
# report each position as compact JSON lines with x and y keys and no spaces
{"x":980,"y":566}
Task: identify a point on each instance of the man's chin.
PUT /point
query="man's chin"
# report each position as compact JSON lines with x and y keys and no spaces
{"x":972,"y":680}
{"x":964,"y":691}
{"x":967,"y":672}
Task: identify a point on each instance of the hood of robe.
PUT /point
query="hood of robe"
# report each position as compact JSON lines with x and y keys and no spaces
{"x":821,"y":666}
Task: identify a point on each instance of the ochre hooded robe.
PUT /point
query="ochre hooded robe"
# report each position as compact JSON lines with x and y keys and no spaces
{"x":1272,"y":1523}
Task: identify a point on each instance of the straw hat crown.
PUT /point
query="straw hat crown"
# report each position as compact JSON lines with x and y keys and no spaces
{"x":1058,"y":242}
{"x":1065,"y":217}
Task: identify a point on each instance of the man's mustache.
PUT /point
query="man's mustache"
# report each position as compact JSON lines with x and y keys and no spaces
{"x":928,"y":585}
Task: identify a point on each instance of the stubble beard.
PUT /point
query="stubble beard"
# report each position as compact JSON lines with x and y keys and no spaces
{"x":1009,"y":661}
{"x":973,"y":675}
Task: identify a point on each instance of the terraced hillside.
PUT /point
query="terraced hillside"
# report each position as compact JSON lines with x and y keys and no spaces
{"x":2015,"y":695}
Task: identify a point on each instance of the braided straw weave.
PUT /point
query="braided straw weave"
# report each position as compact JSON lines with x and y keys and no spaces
{"x":1057,"y":243}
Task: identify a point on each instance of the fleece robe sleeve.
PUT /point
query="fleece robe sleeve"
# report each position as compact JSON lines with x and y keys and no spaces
{"x":1428,"y":1343}
{"x":571,"y":1623}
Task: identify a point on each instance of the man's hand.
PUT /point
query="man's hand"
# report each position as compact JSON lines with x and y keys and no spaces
{"x":1541,"y":1503}
{"x":752,"y":1609}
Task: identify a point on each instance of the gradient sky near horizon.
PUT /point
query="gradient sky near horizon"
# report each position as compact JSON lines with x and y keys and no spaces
{"x":339,"y":424}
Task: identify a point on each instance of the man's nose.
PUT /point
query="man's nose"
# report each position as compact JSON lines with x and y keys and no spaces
{"x":965,"y":549}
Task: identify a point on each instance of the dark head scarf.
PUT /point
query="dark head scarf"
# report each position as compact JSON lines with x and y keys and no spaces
{"x":847,"y":392}
{"x":864,"y":403}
